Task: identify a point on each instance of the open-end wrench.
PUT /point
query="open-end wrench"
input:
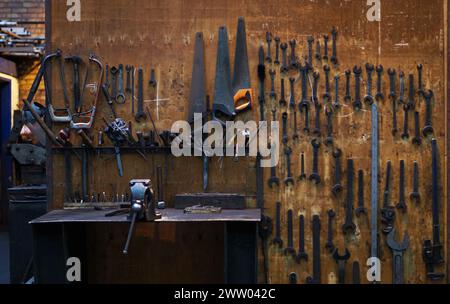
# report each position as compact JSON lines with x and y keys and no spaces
{"x":133,"y":70}
{"x":428,"y":128}
{"x":315,"y":171}
{"x":277,"y":240}
{"x":301,"y":255}
{"x":302,"y":175}
{"x":369,"y":70}
{"x":120,"y":98}
{"x":152,"y":82}
{"x":326,"y":96}
{"x":334,"y":33}
{"x":329,"y":245}
{"x":416,"y":139}
{"x":318,"y":54}
{"x":420,"y":89}
{"x":293,"y":61}
{"x":114,"y":73}
{"x":348,"y":96}
{"x":314,"y":97}
{"x":357,"y":104}
{"x":387,"y":211}
{"x":295,"y":136}
{"x":405,"y":133}
{"x":282,"y":101}
{"x":289,"y":179}
{"x":316,"y":130}
{"x":329,"y":114}
{"x":379,"y":96}
{"x":411,"y":93}
{"x":336,"y":103}
{"x":360,"y":209}
{"x":272,"y":92}
{"x":349,"y":226}
{"x":397,"y":255}
{"x":315,"y":278}
{"x":325,"y":47}
{"x":292,"y":97}
{"x":341,"y":260}
{"x":337,"y":188}
{"x":393,"y":97}
{"x":277,"y":51}
{"x":415,"y":194}
{"x":140,"y":114}
{"x":401,"y":98}
{"x":401,"y":188}
{"x":284,"y":118}
{"x":305,"y":99}
{"x":128,"y":68}
{"x":284,"y":65}
{"x":289,"y":250}
{"x":269,"y":42}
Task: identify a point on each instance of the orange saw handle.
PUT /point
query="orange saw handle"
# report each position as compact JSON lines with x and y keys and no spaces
{"x":243,"y":100}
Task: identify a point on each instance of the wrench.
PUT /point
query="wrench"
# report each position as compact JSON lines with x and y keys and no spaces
{"x":369,"y":98}
{"x":387,"y":212}
{"x":140,"y":114}
{"x":152,"y":82}
{"x":314,"y":98}
{"x":357,"y":102}
{"x":284,"y":65}
{"x":360,"y":209}
{"x":411,"y":101}
{"x":293,"y":62}
{"x":284,"y":117}
{"x":393,"y":97}
{"x":305,"y":99}
{"x":282,"y":101}
{"x":348,"y":96}
{"x":397,"y":255}
{"x":325,"y":47}
{"x":405,"y":134}
{"x":302,"y":167}
{"x":326,"y":95}
{"x":334,"y":33}
{"x":315,"y":278}
{"x":310,"y":41}
{"x":337,"y":188}
{"x":415,"y":195}
{"x":295,"y":136}
{"x":318,"y":54}
{"x":302,"y":255}
{"x":336,"y":103}
{"x":292,"y":97}
{"x":120,"y":98}
{"x":315,"y":172}
{"x":269,"y":41}
{"x":329,"y":244}
{"x":349,"y":226}
{"x":277,"y":51}
{"x":277,"y":240}
{"x":401,"y":98}
{"x":416,"y":139}
{"x":272,"y":93}
{"x":420,"y":90}
{"x":379,"y":96}
{"x":114,"y":72}
{"x":428,"y":128}
{"x":289,"y":179}
{"x":289,"y":250}
{"x":329,"y":115}
{"x":341,"y":260}
{"x":128,"y":87}
{"x":401,"y":201}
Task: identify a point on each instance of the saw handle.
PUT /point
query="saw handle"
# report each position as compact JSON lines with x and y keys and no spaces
{"x":243,"y":100}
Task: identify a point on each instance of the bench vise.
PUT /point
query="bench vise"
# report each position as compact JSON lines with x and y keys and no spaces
{"x":142,"y":206}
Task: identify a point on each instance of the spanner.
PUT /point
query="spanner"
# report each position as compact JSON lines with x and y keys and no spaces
{"x":120,"y":98}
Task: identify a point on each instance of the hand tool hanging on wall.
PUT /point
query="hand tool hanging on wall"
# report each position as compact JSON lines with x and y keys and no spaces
{"x":118,"y":133}
{"x":415,"y":194}
{"x":348,"y":96}
{"x":316,"y":277}
{"x":133,"y":72}
{"x":293,"y":60}
{"x":401,"y":188}
{"x":272,"y":93}
{"x":314,"y":97}
{"x":329,"y":245}
{"x":295,"y":136}
{"x":416,"y":139}
{"x":360,"y":209}
{"x":393,"y":97}
{"x":336,"y":103}
{"x":289,"y":250}
{"x":349,"y":226}
{"x":128,"y":69}
{"x":223,"y":108}
{"x":325,"y":47}
{"x":334,"y":34}
{"x":277,"y":51}
{"x":284,"y":64}
{"x":86,"y":144}
{"x":142,"y":206}
{"x":262,"y":78}
{"x":357,"y":104}
{"x":326,"y":96}
{"x":337,"y":188}
{"x":60,"y":114}
{"x":318,"y":53}
{"x":388,"y":211}
{"x":197,"y":97}
{"x":282,"y":101}
{"x":292,"y":95}
{"x":420,"y":89}
{"x":273,"y":179}
{"x":397,"y":256}
{"x":428,"y":128}
{"x":304,"y":103}
{"x":76,"y":62}
{"x":85,"y":119}
{"x":114,"y":73}
{"x":374,"y":182}
{"x":369,"y":97}
{"x":152,"y":81}
{"x":329,"y":114}
{"x":269,"y":41}
{"x":109,"y":100}
{"x":30,"y":105}
{"x":401,"y":98}
{"x":301,"y":255}
{"x":302,"y":175}
{"x":432,"y":250}
{"x":120,"y":97}
{"x":242,"y":90}
{"x":140,"y":114}
{"x":341,"y":261}
{"x":379,"y":96}
{"x":277,"y":239}
{"x":315,"y":167}
{"x":289,"y":179}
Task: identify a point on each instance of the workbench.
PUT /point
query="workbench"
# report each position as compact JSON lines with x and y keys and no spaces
{"x":65,"y":233}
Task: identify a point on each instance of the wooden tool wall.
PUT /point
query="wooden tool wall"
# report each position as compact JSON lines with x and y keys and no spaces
{"x":160,"y":34}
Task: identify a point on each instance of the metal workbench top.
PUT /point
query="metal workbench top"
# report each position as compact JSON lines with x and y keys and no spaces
{"x":168,"y":215}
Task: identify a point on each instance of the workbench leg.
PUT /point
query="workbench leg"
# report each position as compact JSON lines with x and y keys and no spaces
{"x":241,"y":254}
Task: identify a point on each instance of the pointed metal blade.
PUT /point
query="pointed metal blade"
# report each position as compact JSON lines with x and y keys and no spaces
{"x":223,"y":104}
{"x":197,"y":98}
{"x":241,"y":75}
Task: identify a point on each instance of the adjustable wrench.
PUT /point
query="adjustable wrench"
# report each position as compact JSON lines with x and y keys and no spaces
{"x":140,"y":114}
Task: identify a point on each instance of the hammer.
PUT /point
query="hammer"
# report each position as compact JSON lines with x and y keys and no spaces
{"x":76,"y":61}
